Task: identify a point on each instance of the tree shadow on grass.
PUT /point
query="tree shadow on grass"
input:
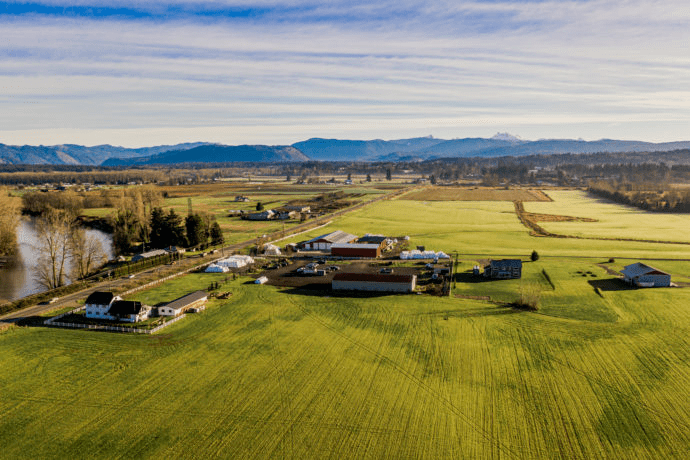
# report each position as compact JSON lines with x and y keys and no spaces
{"x":468,"y":277}
{"x":611,"y":284}
{"x":323,"y":290}
{"x":475,"y":313}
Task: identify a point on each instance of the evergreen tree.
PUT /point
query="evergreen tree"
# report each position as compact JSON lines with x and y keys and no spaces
{"x":216,"y":234}
{"x":196,"y":230}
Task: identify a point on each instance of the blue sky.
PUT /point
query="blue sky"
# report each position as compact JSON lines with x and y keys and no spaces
{"x":278,"y":71}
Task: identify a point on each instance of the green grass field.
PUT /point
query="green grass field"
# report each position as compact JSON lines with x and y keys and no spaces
{"x":278,"y":373}
{"x":614,"y":221}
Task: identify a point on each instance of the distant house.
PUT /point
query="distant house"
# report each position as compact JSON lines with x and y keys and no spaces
{"x":324,"y":242}
{"x":265,"y":215}
{"x":376,"y":283}
{"x":190,"y":302}
{"x":297,"y":208}
{"x":175,"y":250}
{"x":642,"y":275}
{"x":98,"y":303}
{"x":149,"y":254}
{"x":504,"y":269}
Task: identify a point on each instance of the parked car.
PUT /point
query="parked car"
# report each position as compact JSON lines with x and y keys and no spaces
{"x":386,"y":270}
{"x":334,"y":268}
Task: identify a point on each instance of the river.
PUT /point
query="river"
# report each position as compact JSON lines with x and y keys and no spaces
{"x":17,"y":276}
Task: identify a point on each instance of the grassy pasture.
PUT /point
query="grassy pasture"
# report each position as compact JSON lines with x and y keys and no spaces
{"x":271,"y":373}
{"x":279,"y":373}
{"x":482,"y":227}
{"x":613,"y":220}
{"x":475,"y":194}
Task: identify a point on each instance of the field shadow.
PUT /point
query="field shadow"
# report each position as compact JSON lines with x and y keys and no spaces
{"x":468,"y":277}
{"x":480,"y":313}
{"x":610,"y":284}
{"x":322,"y":290}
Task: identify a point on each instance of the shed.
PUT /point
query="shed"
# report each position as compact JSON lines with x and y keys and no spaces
{"x":149,"y":254}
{"x":324,"y":242}
{"x":377,"y":283}
{"x":356,"y":250}
{"x":178,"y":306}
{"x":643,"y":275}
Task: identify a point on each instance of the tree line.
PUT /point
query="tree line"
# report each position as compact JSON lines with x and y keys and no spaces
{"x":9,"y":219}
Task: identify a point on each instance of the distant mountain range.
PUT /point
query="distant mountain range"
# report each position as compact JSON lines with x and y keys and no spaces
{"x":211,"y":153}
{"x":78,"y":154}
{"x":415,"y":149}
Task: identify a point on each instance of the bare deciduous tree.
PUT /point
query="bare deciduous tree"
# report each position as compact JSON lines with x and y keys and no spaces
{"x":86,"y":253}
{"x":53,"y":230}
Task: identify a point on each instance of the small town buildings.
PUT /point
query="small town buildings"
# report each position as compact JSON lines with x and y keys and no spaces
{"x":504,"y":269}
{"x":324,"y":242}
{"x":98,"y":303}
{"x":356,"y":250}
{"x":373,"y":282}
{"x":642,"y":275}
{"x":149,"y":255}
{"x":189,"y":302}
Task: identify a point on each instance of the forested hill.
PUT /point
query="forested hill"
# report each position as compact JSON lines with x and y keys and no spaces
{"x":78,"y":154}
{"x":217,"y":154}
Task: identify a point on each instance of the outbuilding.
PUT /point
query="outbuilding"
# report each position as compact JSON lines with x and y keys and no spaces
{"x":149,"y":254}
{"x":356,"y":250}
{"x":642,"y":275}
{"x":188,"y":302}
{"x":373,"y":282}
{"x":324,"y":242}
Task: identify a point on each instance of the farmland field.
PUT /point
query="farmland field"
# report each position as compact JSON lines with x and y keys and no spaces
{"x":475,"y":194}
{"x":599,"y":371}
{"x":612,"y":220}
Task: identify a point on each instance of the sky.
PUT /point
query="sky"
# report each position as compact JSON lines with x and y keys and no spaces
{"x":135,"y":73}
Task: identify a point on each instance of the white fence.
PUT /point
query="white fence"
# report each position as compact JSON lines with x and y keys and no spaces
{"x":52,"y":322}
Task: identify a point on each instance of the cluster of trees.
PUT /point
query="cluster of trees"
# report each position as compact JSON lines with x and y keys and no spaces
{"x":9,"y":218}
{"x":162,"y":229}
{"x":66,"y":251}
{"x":644,"y":195}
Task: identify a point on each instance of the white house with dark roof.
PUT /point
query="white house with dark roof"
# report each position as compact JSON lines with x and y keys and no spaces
{"x":642,"y":275}
{"x":324,"y":242}
{"x":98,"y":303}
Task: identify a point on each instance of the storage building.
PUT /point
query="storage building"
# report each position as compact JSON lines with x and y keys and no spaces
{"x":189,"y":302}
{"x":324,"y":242}
{"x":356,"y":250}
{"x":642,"y":275}
{"x":377,"y":283}
{"x":149,"y":254}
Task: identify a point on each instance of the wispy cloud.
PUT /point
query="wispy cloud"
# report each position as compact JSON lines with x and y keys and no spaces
{"x":276,"y":71}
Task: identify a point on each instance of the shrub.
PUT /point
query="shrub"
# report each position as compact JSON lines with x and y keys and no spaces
{"x":530,"y":294}
{"x":534,"y":257}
